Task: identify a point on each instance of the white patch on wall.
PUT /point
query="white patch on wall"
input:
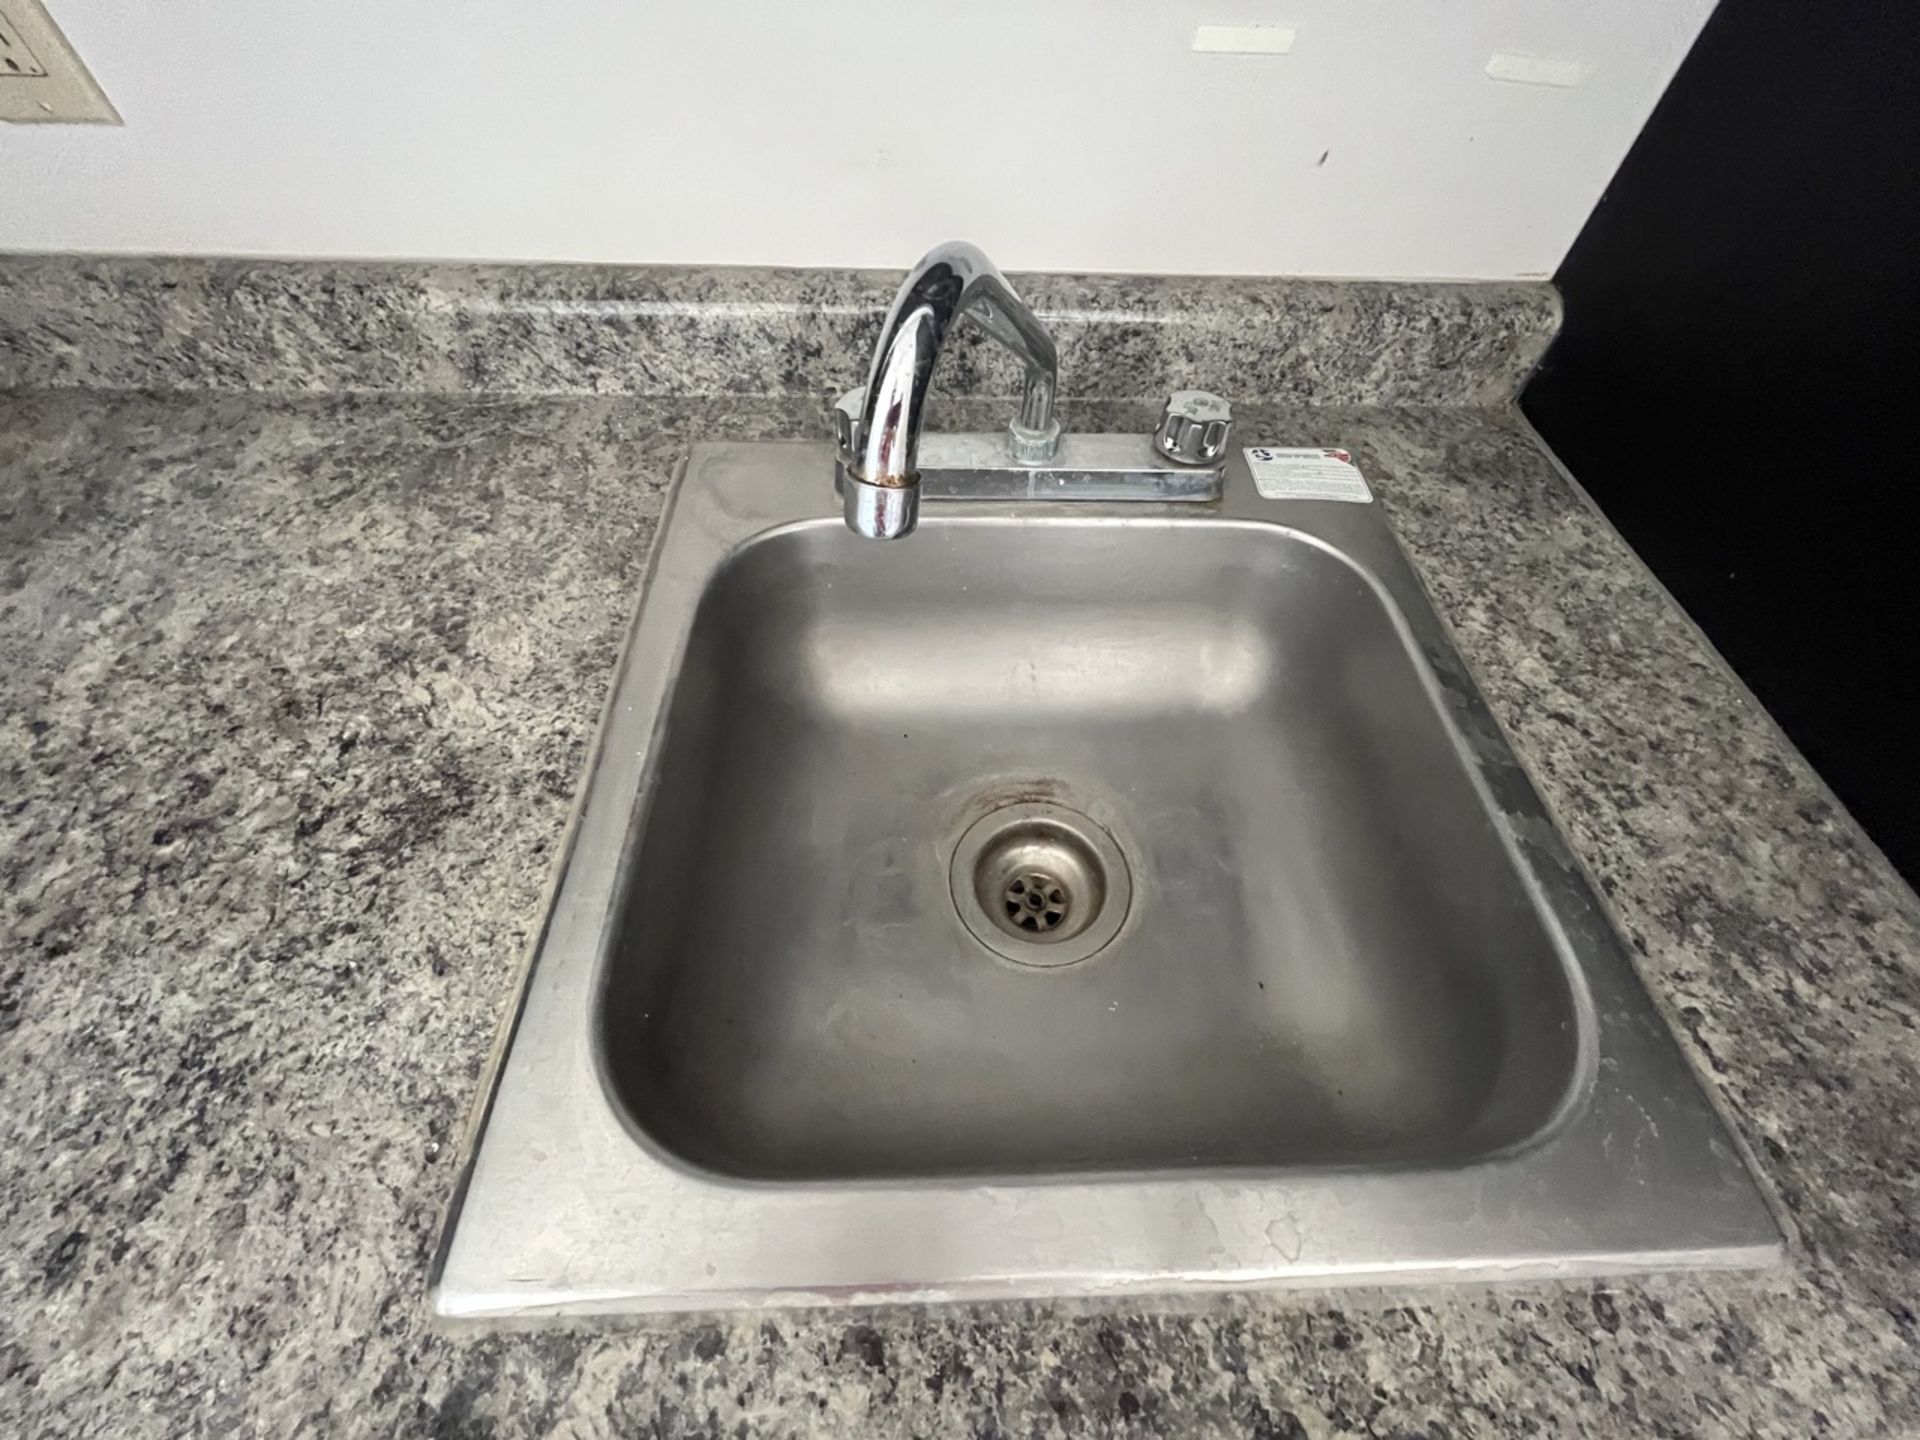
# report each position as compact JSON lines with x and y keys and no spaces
{"x":1552,"y":70}
{"x":1242,"y":39}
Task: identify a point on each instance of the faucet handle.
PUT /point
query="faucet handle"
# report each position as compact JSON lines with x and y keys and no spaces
{"x":1194,"y":428}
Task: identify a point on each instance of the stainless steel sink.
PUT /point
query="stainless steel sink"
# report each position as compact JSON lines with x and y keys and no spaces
{"x":1065,"y":899}
{"x":1327,"y":956}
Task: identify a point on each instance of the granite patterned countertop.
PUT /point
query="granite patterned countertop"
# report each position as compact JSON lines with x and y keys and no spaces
{"x":297,"y":692}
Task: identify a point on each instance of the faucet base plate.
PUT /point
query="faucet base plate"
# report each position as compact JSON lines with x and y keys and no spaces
{"x":1107,"y":468}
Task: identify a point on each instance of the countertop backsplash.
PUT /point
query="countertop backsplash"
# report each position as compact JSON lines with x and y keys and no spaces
{"x":365,"y":327}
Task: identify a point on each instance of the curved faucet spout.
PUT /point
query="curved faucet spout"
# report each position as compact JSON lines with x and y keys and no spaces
{"x":951,"y":281}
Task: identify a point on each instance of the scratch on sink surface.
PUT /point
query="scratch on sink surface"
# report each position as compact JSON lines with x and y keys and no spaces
{"x":1647,"y":1115}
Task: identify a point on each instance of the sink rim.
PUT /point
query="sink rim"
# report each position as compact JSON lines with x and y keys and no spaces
{"x":547,"y":1141}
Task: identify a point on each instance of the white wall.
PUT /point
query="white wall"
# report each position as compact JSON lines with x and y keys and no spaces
{"x":1060,"y":134}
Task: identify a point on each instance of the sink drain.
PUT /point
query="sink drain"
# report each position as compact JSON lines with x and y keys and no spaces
{"x":1040,"y":884}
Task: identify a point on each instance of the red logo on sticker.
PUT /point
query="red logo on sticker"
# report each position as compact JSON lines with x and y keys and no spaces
{"x":1345,"y":457}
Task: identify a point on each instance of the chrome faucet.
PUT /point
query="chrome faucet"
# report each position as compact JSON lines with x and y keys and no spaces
{"x":952,"y":280}
{"x":880,"y":463}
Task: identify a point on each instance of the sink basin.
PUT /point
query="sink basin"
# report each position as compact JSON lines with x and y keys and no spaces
{"x":1328,"y":957}
{"x":1065,"y":899}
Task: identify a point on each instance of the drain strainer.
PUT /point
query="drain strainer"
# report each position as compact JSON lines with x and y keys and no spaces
{"x":1040,"y":884}
{"x":1037,"y":902}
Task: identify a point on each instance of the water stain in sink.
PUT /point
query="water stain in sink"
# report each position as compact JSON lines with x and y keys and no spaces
{"x":880,"y":887}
